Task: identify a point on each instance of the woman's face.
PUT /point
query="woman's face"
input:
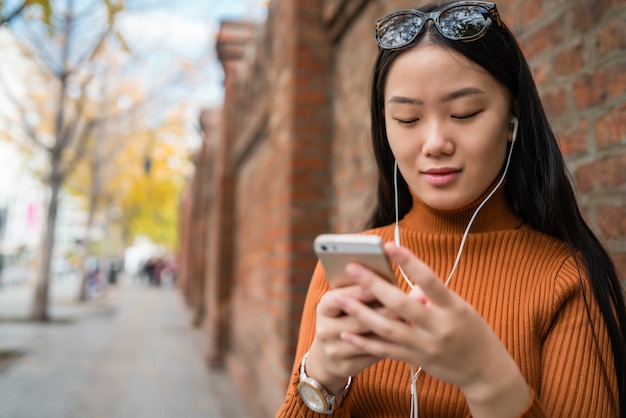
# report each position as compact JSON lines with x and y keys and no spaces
{"x":448,"y":123}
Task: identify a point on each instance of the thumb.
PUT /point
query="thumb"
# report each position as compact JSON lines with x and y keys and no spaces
{"x":418,"y":294}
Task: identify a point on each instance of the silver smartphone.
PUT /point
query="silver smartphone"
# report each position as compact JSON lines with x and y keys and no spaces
{"x":335,"y":251}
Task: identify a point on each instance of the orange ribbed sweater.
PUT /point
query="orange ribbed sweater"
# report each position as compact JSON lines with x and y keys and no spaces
{"x":524,"y":284}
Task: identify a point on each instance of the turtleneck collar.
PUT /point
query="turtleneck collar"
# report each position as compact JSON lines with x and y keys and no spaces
{"x":495,"y":215}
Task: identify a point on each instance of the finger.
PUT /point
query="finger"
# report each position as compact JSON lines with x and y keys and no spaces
{"x":431,"y":286}
{"x":384,"y":326}
{"x":418,"y":294}
{"x":377,"y":347}
{"x":329,"y":305}
{"x":388,"y":313}
{"x":328,"y":329}
{"x":389,"y":295}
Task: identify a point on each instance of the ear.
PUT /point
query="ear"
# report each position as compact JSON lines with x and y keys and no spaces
{"x":512,"y":135}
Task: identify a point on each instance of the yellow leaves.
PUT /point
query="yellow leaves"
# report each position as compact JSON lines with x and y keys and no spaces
{"x":46,"y":9}
{"x":150,"y":200}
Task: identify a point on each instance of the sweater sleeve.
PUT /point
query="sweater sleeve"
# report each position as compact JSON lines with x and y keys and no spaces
{"x":574,"y":382}
{"x":293,"y":406}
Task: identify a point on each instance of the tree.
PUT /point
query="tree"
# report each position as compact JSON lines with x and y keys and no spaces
{"x":144,"y":194}
{"x":92,"y":101}
{"x":71,"y":48}
{"x":150,"y":199}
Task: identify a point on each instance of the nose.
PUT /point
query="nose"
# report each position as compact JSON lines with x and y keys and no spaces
{"x":436,"y":141}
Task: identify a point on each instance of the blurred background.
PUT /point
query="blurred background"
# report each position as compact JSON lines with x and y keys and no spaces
{"x":170,"y":162}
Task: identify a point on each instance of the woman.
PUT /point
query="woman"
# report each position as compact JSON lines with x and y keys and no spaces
{"x":506,"y":303}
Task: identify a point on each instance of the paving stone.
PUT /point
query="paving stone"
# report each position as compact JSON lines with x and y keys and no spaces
{"x":131,"y":354}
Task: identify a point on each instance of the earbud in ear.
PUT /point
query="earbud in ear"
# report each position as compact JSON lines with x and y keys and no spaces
{"x":515,"y":123}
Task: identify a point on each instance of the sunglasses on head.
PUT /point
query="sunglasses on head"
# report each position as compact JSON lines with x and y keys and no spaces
{"x":460,"y":21}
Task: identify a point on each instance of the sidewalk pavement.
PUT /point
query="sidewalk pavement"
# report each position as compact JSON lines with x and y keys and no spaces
{"x":128,"y":354}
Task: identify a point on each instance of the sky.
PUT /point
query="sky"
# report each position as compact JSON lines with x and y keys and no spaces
{"x":189,"y":27}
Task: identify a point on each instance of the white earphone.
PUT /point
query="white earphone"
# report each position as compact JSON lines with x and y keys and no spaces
{"x":515,"y":123}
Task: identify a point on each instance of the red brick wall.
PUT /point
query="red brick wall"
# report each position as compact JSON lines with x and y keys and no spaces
{"x":220,"y":257}
{"x":295,"y":160}
{"x":194,"y":205}
{"x":578,"y":52}
{"x":278,"y":134}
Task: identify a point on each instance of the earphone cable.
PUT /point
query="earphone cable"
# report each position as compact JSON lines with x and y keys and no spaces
{"x":414,"y":375}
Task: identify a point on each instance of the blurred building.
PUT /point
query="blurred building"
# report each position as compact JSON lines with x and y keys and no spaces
{"x":21,"y":207}
{"x":290,"y":158}
{"x":23,"y":197}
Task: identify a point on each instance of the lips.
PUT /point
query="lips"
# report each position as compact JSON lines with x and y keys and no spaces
{"x":441,"y":176}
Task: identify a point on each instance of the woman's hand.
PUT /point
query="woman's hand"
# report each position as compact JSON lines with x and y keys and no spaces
{"x":331,"y":360}
{"x":439,"y":331}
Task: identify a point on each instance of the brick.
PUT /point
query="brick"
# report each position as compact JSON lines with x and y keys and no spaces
{"x":548,"y":37}
{"x":611,"y":221}
{"x":596,"y":88}
{"x":574,"y":142}
{"x":555,"y":102}
{"x":611,"y":128}
{"x":540,"y":74}
{"x":587,"y":13}
{"x":569,"y":61}
{"x":311,"y":97}
{"x":601,"y":174}
{"x":619,"y":259}
{"x":531,"y":10}
{"x":612,"y":36}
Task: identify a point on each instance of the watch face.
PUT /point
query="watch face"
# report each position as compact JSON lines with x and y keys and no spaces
{"x":311,"y":397}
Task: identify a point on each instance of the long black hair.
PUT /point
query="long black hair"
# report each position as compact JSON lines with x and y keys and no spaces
{"x":538,"y":183}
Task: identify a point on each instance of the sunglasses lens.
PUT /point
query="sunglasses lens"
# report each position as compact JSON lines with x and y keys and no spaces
{"x":464,"y":22}
{"x":398,"y":30}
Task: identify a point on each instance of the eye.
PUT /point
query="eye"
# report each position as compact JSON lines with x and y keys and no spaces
{"x":406,"y":121}
{"x":466,"y":115}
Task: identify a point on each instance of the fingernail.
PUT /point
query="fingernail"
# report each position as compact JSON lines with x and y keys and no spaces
{"x":354,"y":270}
{"x":346,"y":336}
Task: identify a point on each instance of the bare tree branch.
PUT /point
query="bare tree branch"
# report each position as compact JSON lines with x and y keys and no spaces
{"x":12,"y":15}
{"x":26,"y":125}
{"x":81,"y":148}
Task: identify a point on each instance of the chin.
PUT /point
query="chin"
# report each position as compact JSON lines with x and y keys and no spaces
{"x":446,"y":204}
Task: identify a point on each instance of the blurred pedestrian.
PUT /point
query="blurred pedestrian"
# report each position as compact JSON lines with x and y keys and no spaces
{"x":1,"y":270}
{"x":513,"y":308}
{"x":93,"y":282}
{"x":114,"y":268}
{"x":147,"y":270}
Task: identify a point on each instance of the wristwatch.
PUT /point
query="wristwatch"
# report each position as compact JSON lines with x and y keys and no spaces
{"x":315,"y":396}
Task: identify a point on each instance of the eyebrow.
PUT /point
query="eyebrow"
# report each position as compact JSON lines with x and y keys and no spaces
{"x":464,"y":92}
{"x":457,"y":94}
